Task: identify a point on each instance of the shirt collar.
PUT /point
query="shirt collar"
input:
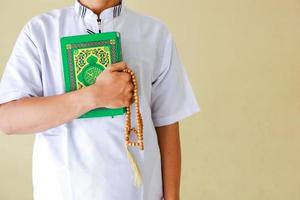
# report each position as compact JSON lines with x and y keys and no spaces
{"x":108,"y":13}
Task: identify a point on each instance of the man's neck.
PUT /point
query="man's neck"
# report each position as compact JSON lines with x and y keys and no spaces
{"x":97,"y":6}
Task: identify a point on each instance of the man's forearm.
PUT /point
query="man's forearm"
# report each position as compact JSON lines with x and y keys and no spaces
{"x":35,"y":114}
{"x":169,"y":143}
{"x":112,"y":89}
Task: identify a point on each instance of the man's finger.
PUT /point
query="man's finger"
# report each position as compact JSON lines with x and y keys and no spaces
{"x":120,"y":66}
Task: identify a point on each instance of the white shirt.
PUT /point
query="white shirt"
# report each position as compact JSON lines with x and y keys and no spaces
{"x":85,"y":159}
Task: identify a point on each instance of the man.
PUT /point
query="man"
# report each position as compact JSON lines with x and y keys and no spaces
{"x":84,"y":159}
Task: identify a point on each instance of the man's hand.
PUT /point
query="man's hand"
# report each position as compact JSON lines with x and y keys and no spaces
{"x":113,"y":87}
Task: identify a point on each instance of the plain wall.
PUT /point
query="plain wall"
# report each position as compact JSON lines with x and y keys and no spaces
{"x":242,"y":57}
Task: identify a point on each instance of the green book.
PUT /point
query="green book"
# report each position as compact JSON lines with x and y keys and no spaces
{"x":84,"y":58}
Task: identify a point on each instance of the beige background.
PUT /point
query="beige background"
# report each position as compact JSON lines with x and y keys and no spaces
{"x":242,"y":57}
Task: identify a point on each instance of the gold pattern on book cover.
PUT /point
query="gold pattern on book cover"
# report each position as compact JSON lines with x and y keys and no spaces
{"x":89,"y":63}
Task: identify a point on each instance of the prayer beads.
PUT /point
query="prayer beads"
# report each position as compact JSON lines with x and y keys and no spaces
{"x":138,"y":131}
